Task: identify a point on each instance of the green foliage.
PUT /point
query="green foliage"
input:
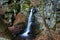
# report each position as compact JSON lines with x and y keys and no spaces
{"x":24,"y":6}
{"x":28,"y":1}
{"x":15,"y":6}
{"x":41,"y":3}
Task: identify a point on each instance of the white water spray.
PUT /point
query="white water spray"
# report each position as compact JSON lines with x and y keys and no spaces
{"x":28,"y":25}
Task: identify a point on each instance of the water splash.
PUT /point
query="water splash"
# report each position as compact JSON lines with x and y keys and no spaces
{"x":29,"y":24}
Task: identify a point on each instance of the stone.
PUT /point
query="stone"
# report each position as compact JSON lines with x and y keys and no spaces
{"x":19,"y":19}
{"x":1,"y":11}
{"x":35,"y":2}
{"x":4,"y":32}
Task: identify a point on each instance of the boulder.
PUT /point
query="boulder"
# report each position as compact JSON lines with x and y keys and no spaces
{"x":18,"y":23}
{"x":34,"y":2}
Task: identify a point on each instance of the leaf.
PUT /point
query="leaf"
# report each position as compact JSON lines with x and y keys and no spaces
{"x":24,"y":6}
{"x":15,"y":6}
{"x":28,"y":1}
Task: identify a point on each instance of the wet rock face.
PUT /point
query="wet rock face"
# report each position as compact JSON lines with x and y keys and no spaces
{"x":50,"y":18}
{"x":58,"y":12}
{"x":58,"y":4}
{"x":48,"y":15}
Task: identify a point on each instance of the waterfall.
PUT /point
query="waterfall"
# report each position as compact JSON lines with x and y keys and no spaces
{"x":28,"y":25}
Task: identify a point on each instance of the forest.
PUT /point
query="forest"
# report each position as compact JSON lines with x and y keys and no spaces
{"x":29,"y":19}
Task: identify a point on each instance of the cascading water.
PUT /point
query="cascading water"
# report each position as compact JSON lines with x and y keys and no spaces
{"x":28,"y":25}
